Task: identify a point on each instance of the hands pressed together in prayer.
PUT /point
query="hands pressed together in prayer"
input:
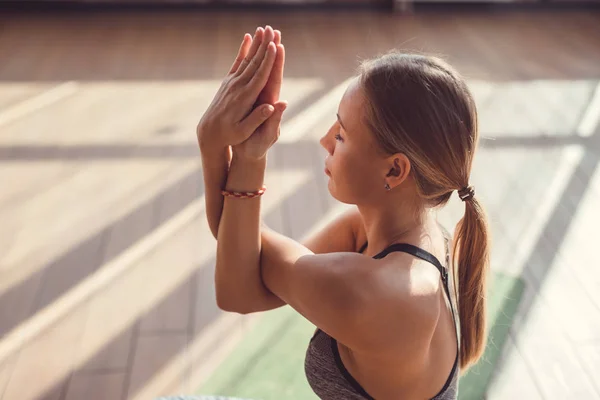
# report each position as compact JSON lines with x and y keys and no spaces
{"x":246,"y":111}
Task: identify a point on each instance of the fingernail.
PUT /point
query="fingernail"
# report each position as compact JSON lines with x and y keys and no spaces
{"x":268,"y":110}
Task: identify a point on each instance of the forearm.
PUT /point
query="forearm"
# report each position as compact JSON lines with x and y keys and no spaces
{"x":215,"y":167}
{"x":238,"y":279}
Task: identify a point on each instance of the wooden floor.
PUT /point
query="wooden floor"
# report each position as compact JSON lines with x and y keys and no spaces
{"x":106,"y":261}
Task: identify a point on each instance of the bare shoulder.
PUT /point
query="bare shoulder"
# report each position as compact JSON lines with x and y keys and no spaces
{"x":343,"y":234}
{"x":404,"y":308}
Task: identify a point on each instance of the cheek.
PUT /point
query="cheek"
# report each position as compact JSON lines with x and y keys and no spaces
{"x":352,"y":176}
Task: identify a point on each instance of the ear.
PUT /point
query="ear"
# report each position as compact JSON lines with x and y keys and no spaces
{"x":398,"y":169}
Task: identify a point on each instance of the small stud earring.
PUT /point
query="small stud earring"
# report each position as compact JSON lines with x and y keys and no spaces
{"x":387,"y":187}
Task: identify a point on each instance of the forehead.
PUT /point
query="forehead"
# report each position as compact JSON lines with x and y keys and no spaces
{"x":351,"y":102}
{"x":351,"y":110}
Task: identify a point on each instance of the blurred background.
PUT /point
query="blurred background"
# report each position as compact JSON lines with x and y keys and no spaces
{"x":106,"y":259}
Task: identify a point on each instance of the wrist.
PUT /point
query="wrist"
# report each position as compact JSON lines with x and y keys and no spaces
{"x":250,"y":163}
{"x":207,"y":141}
{"x":241,"y":156}
{"x":246,"y":175}
{"x":213,"y":153}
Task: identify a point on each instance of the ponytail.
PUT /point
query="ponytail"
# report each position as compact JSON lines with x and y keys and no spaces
{"x":421,"y":107}
{"x":471,"y":260}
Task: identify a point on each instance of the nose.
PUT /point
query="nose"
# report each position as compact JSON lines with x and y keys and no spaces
{"x":323,"y":142}
{"x":326,"y":142}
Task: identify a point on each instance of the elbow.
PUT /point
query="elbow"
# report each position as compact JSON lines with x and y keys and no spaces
{"x":228,"y":296}
{"x":232,"y":308}
{"x":214,"y":228}
{"x":229,"y":304}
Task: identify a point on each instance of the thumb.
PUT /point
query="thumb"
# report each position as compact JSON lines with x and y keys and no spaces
{"x":280,"y":107}
{"x":259,"y":115}
{"x":272,"y":125}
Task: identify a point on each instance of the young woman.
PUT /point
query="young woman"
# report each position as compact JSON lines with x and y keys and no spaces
{"x":375,"y":282}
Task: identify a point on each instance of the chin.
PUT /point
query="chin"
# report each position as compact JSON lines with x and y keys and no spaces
{"x":331,"y":188}
{"x":334,"y":193}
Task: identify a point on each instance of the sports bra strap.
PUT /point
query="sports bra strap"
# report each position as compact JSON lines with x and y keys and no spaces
{"x":417,"y":252}
{"x":364,"y":247}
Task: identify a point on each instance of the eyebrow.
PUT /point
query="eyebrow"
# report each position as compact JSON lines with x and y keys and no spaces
{"x":340,"y":121}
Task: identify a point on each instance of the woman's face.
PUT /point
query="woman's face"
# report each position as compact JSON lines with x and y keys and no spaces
{"x":355,"y":168}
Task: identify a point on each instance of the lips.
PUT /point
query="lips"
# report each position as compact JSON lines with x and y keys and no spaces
{"x":327,"y":172}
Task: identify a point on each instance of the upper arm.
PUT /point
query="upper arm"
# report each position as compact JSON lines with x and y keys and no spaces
{"x":347,"y":295}
{"x":339,"y":235}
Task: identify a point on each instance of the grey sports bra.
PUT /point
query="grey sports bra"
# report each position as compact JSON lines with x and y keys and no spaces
{"x":324,"y":368}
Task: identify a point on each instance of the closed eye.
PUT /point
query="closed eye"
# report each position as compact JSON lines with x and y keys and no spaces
{"x":338,"y":137}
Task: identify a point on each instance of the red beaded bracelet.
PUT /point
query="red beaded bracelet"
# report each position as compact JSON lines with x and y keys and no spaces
{"x":244,"y":195}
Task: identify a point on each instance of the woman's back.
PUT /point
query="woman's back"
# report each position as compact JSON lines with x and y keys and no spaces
{"x":334,"y":371}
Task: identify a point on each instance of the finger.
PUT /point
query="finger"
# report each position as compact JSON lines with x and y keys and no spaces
{"x":280,"y":107}
{"x":270,"y":93}
{"x":255,"y":119}
{"x":277,"y":39}
{"x":259,"y":56}
{"x":276,"y":77}
{"x":246,"y":42}
{"x":272,"y":124}
{"x":256,"y":42}
{"x":260,"y":78}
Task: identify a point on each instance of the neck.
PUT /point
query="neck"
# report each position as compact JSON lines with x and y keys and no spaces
{"x":394,"y":223}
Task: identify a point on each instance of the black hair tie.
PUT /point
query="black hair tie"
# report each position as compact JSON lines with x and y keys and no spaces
{"x":466,"y":193}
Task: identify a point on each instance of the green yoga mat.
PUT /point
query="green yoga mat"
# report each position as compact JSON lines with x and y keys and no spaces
{"x":268,"y":364}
